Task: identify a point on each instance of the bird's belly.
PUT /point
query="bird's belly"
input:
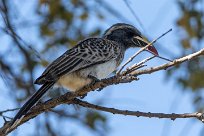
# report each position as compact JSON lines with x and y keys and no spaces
{"x":73,"y":81}
{"x":77,"y":80}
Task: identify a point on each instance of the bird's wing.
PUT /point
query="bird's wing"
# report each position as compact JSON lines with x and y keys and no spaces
{"x":87,"y":53}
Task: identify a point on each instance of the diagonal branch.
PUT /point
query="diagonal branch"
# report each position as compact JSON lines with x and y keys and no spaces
{"x":170,"y":64}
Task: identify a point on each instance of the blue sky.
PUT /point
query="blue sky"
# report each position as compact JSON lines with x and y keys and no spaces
{"x":152,"y":93}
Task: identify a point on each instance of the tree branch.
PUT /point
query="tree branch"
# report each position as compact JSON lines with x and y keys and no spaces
{"x":170,"y":64}
{"x":68,"y":97}
{"x":173,"y":116}
{"x":8,"y":110}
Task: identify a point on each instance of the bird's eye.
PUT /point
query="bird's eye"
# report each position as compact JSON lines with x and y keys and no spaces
{"x":131,"y":34}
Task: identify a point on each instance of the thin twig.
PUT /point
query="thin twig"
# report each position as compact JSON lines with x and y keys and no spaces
{"x":173,"y":116}
{"x":141,"y":63}
{"x":4,"y":116}
{"x":137,"y":66}
{"x":1,"y":112}
{"x":164,"y":58}
{"x":142,"y":49}
{"x":170,"y":64}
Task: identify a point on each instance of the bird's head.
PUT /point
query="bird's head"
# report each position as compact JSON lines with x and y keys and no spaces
{"x":127,"y":35}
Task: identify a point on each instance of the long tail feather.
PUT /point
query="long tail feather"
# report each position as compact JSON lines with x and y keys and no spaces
{"x":32,"y":101}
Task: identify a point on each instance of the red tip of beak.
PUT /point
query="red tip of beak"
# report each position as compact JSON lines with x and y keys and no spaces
{"x":152,"y":50}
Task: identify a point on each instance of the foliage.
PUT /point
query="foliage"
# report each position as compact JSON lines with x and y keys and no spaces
{"x":191,"y":33}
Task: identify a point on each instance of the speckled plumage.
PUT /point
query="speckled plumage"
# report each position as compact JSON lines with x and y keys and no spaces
{"x":90,"y":53}
{"x":93,"y":57}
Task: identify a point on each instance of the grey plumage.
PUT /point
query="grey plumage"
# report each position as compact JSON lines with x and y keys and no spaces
{"x":93,"y":58}
{"x":87,"y":53}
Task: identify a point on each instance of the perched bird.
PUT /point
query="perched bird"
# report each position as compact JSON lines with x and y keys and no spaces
{"x":91,"y":59}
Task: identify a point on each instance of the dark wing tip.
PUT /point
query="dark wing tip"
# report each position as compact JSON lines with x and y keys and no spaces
{"x":40,"y":80}
{"x":45,"y":79}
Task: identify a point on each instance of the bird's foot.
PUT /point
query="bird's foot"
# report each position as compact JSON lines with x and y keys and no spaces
{"x":94,"y":79}
{"x":99,"y":89}
{"x":83,"y":96}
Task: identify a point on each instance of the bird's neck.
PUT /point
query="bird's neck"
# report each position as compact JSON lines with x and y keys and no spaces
{"x":118,"y":40}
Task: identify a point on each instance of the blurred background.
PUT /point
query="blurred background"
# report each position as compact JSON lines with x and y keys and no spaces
{"x":35,"y":32}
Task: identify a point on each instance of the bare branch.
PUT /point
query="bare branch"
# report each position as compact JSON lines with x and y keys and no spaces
{"x":4,"y":116}
{"x":173,"y":116}
{"x":1,"y":112}
{"x":170,"y":64}
{"x":137,"y":66}
{"x":128,"y":75}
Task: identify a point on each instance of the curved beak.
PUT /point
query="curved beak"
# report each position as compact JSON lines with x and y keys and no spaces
{"x":141,"y":42}
{"x":152,"y":50}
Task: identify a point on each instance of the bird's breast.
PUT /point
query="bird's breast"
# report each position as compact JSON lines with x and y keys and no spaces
{"x":105,"y":69}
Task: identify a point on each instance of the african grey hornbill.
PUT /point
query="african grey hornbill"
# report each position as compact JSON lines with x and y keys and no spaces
{"x":90,"y":59}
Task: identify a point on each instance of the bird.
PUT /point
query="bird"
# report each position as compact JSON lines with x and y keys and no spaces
{"x":90,"y":60}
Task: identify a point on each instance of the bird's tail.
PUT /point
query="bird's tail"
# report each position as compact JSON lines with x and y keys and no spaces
{"x":29,"y":104}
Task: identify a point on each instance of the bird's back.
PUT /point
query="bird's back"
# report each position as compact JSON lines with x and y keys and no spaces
{"x":86,"y":53}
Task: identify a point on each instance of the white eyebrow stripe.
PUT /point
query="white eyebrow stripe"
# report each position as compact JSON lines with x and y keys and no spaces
{"x":141,"y":39}
{"x":120,"y":27}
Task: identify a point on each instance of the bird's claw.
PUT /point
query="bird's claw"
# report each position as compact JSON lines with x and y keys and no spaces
{"x":83,"y":96}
